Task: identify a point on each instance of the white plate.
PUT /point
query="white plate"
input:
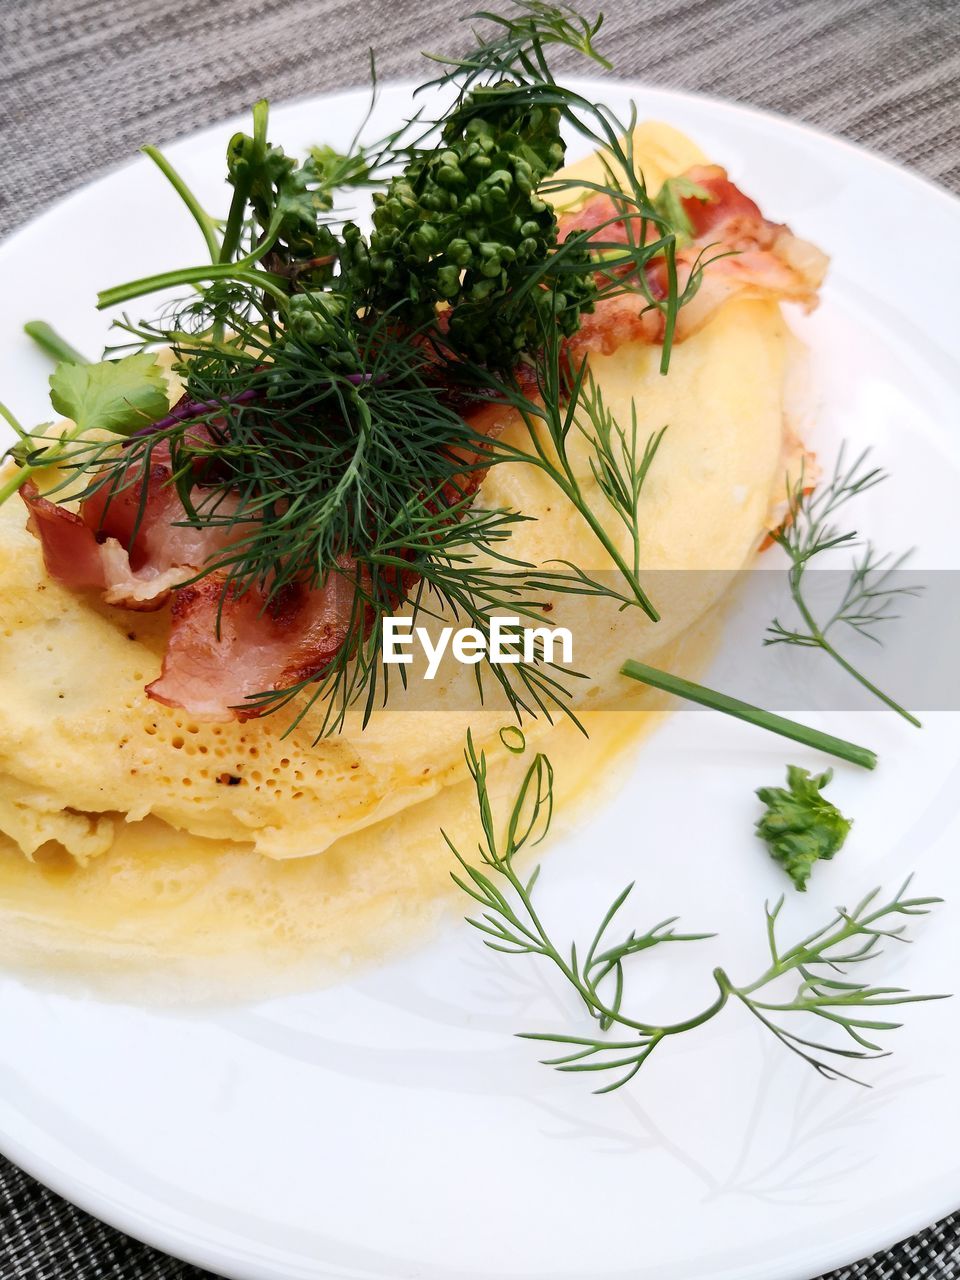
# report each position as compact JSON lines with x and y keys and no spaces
{"x":392,"y":1127}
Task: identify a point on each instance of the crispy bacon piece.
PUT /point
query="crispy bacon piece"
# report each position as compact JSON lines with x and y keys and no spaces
{"x":77,"y":556}
{"x":260,"y":646}
{"x":742,"y":254}
{"x":295,"y":637}
{"x":131,"y":539}
{"x":144,"y":513}
{"x":71,"y":552}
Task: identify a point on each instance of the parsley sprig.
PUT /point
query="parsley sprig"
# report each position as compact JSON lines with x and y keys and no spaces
{"x":116,"y":397}
{"x":799,"y":825}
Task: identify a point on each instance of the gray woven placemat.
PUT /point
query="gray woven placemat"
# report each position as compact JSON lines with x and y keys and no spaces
{"x":84,"y":82}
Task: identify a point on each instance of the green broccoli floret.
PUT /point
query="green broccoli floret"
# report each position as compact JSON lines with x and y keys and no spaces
{"x":800,"y":827}
{"x":463,"y":225}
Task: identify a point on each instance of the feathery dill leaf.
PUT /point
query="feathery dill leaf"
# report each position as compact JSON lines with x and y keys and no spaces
{"x":809,"y":531}
{"x":819,"y":965}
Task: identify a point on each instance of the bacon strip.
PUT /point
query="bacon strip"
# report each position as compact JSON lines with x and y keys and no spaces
{"x":76,"y":556}
{"x":765,"y":261}
{"x":131,"y":539}
{"x":264,"y":646}
{"x":261,"y":646}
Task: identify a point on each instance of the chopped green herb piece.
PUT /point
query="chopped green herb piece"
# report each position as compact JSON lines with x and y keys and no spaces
{"x":800,"y":827}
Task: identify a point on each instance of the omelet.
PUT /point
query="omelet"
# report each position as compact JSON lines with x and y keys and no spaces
{"x":104,"y":793}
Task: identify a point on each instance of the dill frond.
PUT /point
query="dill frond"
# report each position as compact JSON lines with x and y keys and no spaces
{"x":816,"y":970}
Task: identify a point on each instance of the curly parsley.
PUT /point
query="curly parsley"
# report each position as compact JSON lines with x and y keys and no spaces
{"x":799,"y":826}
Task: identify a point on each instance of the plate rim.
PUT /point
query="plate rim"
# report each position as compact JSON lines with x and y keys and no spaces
{"x":930,"y":185}
{"x":152,"y":1231}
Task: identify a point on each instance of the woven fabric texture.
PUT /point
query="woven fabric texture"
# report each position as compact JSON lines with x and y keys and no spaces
{"x":85,"y":82}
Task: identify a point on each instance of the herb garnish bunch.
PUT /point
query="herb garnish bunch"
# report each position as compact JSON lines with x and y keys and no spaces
{"x":336,"y":373}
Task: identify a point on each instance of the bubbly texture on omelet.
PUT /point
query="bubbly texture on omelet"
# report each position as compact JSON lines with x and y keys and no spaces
{"x":108,"y":792}
{"x":221,"y":918}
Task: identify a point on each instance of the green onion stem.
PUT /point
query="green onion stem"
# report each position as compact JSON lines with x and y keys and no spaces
{"x":194,"y":275}
{"x":12,"y":485}
{"x":825,"y":742}
{"x":207,"y":224}
{"x":48,"y":340}
{"x":9,"y":417}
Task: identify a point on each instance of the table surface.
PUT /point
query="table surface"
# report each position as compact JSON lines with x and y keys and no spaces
{"x":86,"y":82}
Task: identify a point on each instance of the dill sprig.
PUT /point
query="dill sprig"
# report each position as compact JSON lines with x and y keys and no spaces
{"x":872,"y":588}
{"x":523,"y":37}
{"x":820,"y":964}
{"x":566,"y":404}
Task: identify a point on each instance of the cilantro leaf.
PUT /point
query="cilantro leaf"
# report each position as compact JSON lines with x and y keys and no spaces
{"x":669,"y":204}
{"x":116,"y":395}
{"x":799,"y":826}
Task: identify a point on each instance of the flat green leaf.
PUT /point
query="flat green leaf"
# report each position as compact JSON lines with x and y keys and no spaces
{"x":115,"y":395}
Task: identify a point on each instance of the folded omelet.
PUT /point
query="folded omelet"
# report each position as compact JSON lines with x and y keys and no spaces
{"x":105,"y":793}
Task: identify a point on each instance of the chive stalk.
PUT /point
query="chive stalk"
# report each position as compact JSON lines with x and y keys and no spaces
{"x":716,"y":701}
{"x":48,"y":340}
